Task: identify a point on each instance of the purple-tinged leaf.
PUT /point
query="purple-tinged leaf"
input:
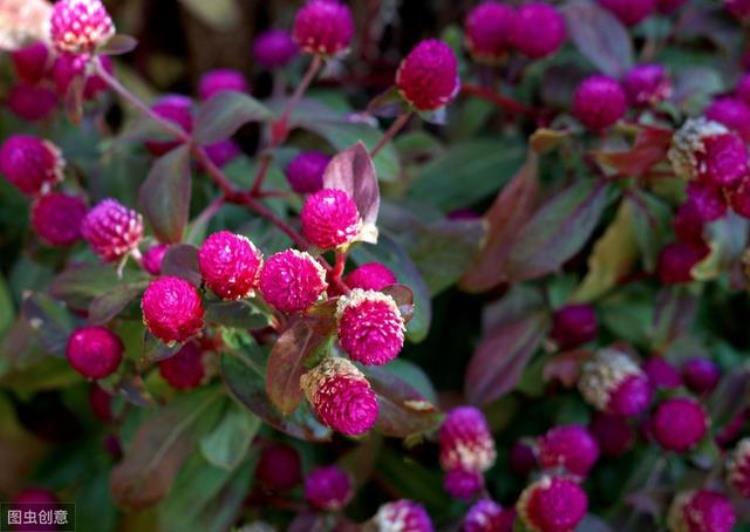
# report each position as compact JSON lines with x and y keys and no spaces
{"x":731,"y":397}
{"x":220,"y":117}
{"x":182,"y":261}
{"x":50,"y":320}
{"x":79,"y":285}
{"x":106,"y":307}
{"x":118,"y":45}
{"x":674,"y":314}
{"x":404,"y":298}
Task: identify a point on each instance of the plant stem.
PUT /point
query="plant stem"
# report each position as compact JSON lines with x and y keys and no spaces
{"x":397,"y":126}
{"x":312,"y":71}
{"x":508,"y":104}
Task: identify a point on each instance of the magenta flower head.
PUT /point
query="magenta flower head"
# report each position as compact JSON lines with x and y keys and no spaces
{"x":733,"y":113}
{"x":184,"y":370}
{"x":230,"y":265}
{"x":678,"y":424}
{"x":701,"y":374}
{"x":56,"y":218}
{"x":539,"y":30}
{"x":488,"y":30}
{"x":669,"y":6}
{"x":341,"y":396}
{"x":112,"y":230}
{"x":328,"y":488}
{"x":677,"y":260}
{"x":176,"y":109}
{"x":708,"y":200}
{"x":330,"y":219}
{"x":80,"y":26}
{"x":370,"y":327}
{"x":613,"y":383}
{"x":292,"y":281}
{"x":689,"y":222}
{"x":571,"y":447}
{"x":613,"y":433}
{"x":94,"y":352}
{"x":488,"y":516}
{"x":647,"y":85}
{"x":466,"y":441}
{"x":402,"y":515}
{"x":574,"y":325}
{"x":662,"y":374}
{"x":31,"y":164}
{"x":738,"y":468}
{"x":279,"y":467}
{"x":742,"y":91}
{"x":522,"y":458}
{"x":305,"y":172}
{"x":274,"y":49}
{"x":323,"y":27}
{"x":221,"y":80}
{"x":31,"y":62}
{"x":462,"y":484}
{"x":370,"y":276}
{"x":630,"y":12}
{"x":738,"y":8}
{"x":428,"y":77}
{"x":552,"y":504}
{"x":36,"y":496}
{"x":223,"y":152}
{"x":154,"y":257}
{"x":599,"y":102}
{"x":701,"y":511}
{"x":31,"y":102}
{"x":172,"y":309}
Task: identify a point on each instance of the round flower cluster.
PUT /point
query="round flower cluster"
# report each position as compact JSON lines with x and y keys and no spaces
{"x":613,"y":383}
{"x":701,"y":510}
{"x":328,"y":488}
{"x":570,"y":447}
{"x":551,"y":504}
{"x":80,"y":26}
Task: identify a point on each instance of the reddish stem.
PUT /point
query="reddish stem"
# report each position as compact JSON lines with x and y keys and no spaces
{"x":397,"y":126}
{"x":506,"y":103}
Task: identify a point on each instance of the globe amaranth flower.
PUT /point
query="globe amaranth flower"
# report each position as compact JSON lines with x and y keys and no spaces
{"x":31,"y":62}
{"x":185,"y":369}
{"x":370,"y":276}
{"x":613,"y":383}
{"x":709,"y":200}
{"x":677,"y":260}
{"x":330,"y":219}
{"x":230,"y":265}
{"x":154,"y":257}
{"x":678,"y":424}
{"x":466,"y":441}
{"x":428,"y":77}
{"x":370,"y":327}
{"x":31,"y":164}
{"x":69,"y":67}
{"x":328,"y":488}
{"x":488,"y":516}
{"x":571,"y":447}
{"x":738,"y":8}
{"x":701,"y":511}
{"x":222,"y":153}
{"x":613,"y":433}
{"x":462,"y":484}
{"x":739,"y":198}
{"x":221,"y":80}
{"x":402,"y":515}
{"x":94,"y":352}
{"x":538,"y":30}
{"x":733,"y":113}
{"x":176,"y":109}
{"x":80,"y":26}
{"x":701,"y":375}
{"x":630,"y":12}
{"x":647,"y":85}
{"x":274,"y":49}
{"x":488,"y":29}
{"x":599,"y":102}
{"x":112,"y":230}
{"x":292,"y":281}
{"x":738,"y":468}
{"x":56,"y":218}
{"x":341,"y":396}
{"x":552,"y":504}
{"x":662,"y":374}
{"x":172,"y":309}
{"x":279,"y":467}
{"x":305,"y":172}
{"x":32,"y":103}
{"x":574,"y":325}
{"x":323,"y":27}
{"x":36,"y":496}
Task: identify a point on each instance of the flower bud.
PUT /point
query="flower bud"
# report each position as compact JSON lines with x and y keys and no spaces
{"x":571,"y":447}
{"x":574,"y":325}
{"x":154,"y":257}
{"x":662,"y":374}
{"x":328,"y":488}
{"x":32,"y":103}
{"x":678,"y":424}
{"x":701,"y":511}
{"x":701,"y":374}
{"x":184,"y":370}
{"x":466,"y":441}
{"x":370,"y":276}
{"x":230,"y":265}
{"x":56,"y":218}
{"x":428,"y":77}
{"x":305,"y":172}
{"x":323,"y":27}
{"x":613,"y":383}
{"x":274,"y":49}
{"x":599,"y":102}
{"x":402,"y":515}
{"x":221,"y":80}
{"x":488,"y":31}
{"x":80,"y":26}
{"x":292,"y":281}
{"x":172,"y":309}
{"x":552,"y":504}
{"x":31,"y":164}
{"x":539,"y":30}
{"x":647,"y":85}
{"x":330,"y":219}
{"x":94,"y":352}
{"x":112,"y":230}
{"x":31,"y":62}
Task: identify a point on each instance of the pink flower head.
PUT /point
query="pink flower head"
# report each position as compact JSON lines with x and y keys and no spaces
{"x":154,"y":257}
{"x":689,"y":222}
{"x":738,"y":8}
{"x":677,"y":260}
{"x":488,"y":516}
{"x":31,"y":164}
{"x":708,"y":200}
{"x":305,"y":172}
{"x":613,"y":383}
{"x":647,"y":85}
{"x":370,"y":327}
{"x":68,"y":67}
{"x":323,"y":27}
{"x":701,"y":374}
{"x":100,"y":402}
{"x":184,"y":370}
{"x":488,"y":30}
{"x":176,"y":109}
{"x":662,"y":374}
{"x":522,"y":458}
{"x":701,"y":511}
{"x":230,"y":265}
{"x":552,"y":504}
{"x":328,"y":488}
{"x":112,"y":230}
{"x":463,"y":484}
{"x":466,"y":441}
{"x":371,"y":276}
{"x":738,"y":469}
{"x":739,"y":199}
{"x":669,"y":6}
{"x":630,"y":12}
{"x":172,"y":309}
{"x":279,"y":467}
{"x":341,"y":396}
{"x":292,"y":281}
{"x":539,"y":30}
{"x":94,"y":352}
{"x":223,"y":152}
{"x":80,"y":26}
{"x":403,"y":515}
{"x":613,"y":433}
{"x":599,"y":102}
{"x":31,"y":102}
{"x":221,"y":80}
{"x":31,"y":62}
{"x":274,"y":49}
{"x":733,"y":113}
{"x":428,"y":77}
{"x":678,"y":424}
{"x":330,"y":219}
{"x":571,"y":447}
{"x":574,"y":325}
{"x":36,"y":496}
{"x":57,"y":217}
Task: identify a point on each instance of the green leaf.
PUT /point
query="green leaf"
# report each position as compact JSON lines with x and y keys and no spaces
{"x":7,"y":312}
{"x":220,"y":117}
{"x":165,"y":195}
{"x":239,"y":314}
{"x":79,"y":285}
{"x":227,"y":445}
{"x":651,"y":225}
{"x":106,"y":307}
{"x":217,"y":14}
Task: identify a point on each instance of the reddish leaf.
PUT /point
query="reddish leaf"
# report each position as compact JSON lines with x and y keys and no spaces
{"x":565,"y":367}
{"x":182,"y":261}
{"x":220,"y":117}
{"x":650,"y":148}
